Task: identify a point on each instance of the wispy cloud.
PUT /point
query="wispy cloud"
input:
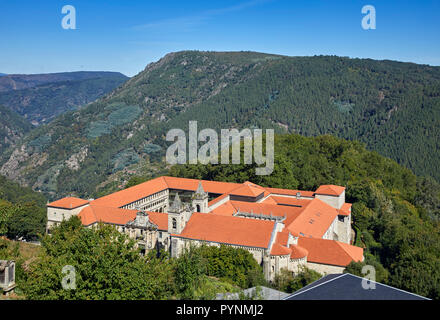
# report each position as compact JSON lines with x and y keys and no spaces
{"x":187,"y":22}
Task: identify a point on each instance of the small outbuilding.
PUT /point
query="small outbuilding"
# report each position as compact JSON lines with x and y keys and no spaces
{"x":7,"y":276}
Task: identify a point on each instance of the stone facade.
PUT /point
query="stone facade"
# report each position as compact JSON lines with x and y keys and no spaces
{"x":324,"y":268}
{"x":56,"y":215}
{"x":7,"y":276}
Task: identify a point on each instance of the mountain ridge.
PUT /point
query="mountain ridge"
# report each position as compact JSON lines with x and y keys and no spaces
{"x":390,"y":106}
{"x":22,"y":81}
{"x":42,"y":102}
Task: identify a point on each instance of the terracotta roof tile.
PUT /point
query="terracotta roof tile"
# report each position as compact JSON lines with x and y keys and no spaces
{"x":225,"y":209}
{"x":192,"y":184}
{"x":288,"y":201}
{"x":290,"y":192}
{"x":159,"y":219}
{"x":93,"y":214}
{"x":330,"y":251}
{"x":230,"y":230}
{"x":297,"y":252}
{"x":330,"y":189}
{"x":279,"y":250}
{"x":214,"y":201}
{"x":68,"y":203}
{"x":314,"y":220}
{"x":129,"y":195}
{"x":282,"y":237}
{"x":247,"y":191}
{"x":345,"y":209}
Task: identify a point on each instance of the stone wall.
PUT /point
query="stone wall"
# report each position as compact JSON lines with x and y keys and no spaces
{"x":325,"y":268}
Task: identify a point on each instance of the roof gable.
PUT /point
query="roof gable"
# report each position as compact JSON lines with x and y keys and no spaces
{"x":330,"y":189}
{"x":68,"y":203}
{"x":331,"y":252}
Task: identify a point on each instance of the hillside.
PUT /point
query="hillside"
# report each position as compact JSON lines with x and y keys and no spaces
{"x":42,"y":102}
{"x":392,"y":107}
{"x":12,"y":127}
{"x":10,"y":82}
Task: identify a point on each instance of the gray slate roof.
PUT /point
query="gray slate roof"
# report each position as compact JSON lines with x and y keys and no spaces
{"x":349,"y":287}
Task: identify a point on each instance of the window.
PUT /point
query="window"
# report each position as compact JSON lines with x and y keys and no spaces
{"x":174,"y":223}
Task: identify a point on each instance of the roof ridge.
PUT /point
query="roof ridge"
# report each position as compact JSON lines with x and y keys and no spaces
{"x":312,"y":287}
{"x":344,"y":248}
{"x":383,"y":284}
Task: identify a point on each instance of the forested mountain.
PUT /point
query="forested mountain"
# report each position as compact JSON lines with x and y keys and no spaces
{"x":12,"y":127}
{"x":10,"y":82}
{"x":40,"y":101}
{"x":393,"y":107}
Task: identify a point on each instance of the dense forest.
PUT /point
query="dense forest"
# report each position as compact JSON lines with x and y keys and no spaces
{"x":22,"y":211}
{"x":395,"y":213}
{"x":390,"y":106}
{"x":44,"y":102}
{"x":12,"y":127}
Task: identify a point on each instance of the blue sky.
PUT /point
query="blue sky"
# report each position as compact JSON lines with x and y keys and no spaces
{"x":126,"y":35}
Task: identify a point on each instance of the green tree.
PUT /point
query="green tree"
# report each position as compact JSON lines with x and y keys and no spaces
{"x":287,"y":282}
{"x":189,"y":271}
{"x":7,"y":210}
{"x":107,"y":266}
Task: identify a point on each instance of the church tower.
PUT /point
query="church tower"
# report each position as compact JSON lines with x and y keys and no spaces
{"x":176,"y":216}
{"x":200,"y":199}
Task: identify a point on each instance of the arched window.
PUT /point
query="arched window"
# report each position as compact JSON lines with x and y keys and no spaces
{"x":198,"y":208}
{"x":174,"y":223}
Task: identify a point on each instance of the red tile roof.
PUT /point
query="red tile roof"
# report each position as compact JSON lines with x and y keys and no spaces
{"x":279,"y":250}
{"x":282,"y":237}
{"x":93,"y":214}
{"x":192,"y":184}
{"x":330,"y":189}
{"x":129,"y":195}
{"x":247,"y":191}
{"x":68,"y":203}
{"x":291,"y":213}
{"x":290,"y":192}
{"x":297,"y":252}
{"x":219,"y":198}
{"x":345,"y":209}
{"x":230,"y":230}
{"x":330,"y":252}
{"x":225,"y":209}
{"x":314,"y":220}
{"x":159,"y":219}
{"x":289,"y":201}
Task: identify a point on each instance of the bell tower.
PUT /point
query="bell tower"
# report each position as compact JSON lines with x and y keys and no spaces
{"x":200,"y":199}
{"x":176,"y":216}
